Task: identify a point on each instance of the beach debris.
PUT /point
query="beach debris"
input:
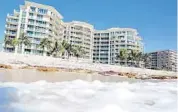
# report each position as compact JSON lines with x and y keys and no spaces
{"x":108,"y":73}
{"x":5,"y":66}
{"x":129,"y":75}
{"x":163,"y":77}
{"x":27,"y":67}
{"x":47,"y":69}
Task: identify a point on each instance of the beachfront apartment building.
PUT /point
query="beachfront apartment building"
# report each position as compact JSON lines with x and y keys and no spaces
{"x":36,"y":21}
{"x":107,"y":44}
{"x":39,"y":21}
{"x":101,"y":47}
{"x":80,"y":34}
{"x":166,"y":59}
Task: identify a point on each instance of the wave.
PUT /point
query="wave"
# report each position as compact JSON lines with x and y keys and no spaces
{"x":83,"y":96}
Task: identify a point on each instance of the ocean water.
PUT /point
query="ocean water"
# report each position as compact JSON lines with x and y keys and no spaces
{"x":83,"y":96}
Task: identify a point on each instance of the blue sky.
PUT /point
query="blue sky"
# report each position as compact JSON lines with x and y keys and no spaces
{"x":155,"y":20}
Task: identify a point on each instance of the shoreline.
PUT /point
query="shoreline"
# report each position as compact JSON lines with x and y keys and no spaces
{"x":32,"y":75}
{"x":13,"y":63}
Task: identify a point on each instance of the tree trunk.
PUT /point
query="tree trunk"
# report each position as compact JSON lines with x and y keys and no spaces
{"x":4,"y":49}
{"x":15,"y":48}
{"x":44,"y":54}
{"x":125,"y":62}
{"x":23,"y":49}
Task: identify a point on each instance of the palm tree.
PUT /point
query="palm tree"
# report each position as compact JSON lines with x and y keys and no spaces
{"x":15,"y":43}
{"x":57,"y":49}
{"x":68,"y":48}
{"x":24,"y":41}
{"x":78,"y":51}
{"x":7,"y":41}
{"x":146,"y":58}
{"x":132,"y":56}
{"x":138,"y":58}
{"x":123,"y":55}
{"x":45,"y":43}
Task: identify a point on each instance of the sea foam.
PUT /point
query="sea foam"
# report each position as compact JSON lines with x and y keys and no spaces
{"x":83,"y":96}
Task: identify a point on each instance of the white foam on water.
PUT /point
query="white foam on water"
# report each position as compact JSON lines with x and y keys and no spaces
{"x":83,"y":96}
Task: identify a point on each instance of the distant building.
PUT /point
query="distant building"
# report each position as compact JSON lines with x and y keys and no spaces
{"x":166,"y":60}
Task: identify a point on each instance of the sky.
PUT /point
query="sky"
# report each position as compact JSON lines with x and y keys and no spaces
{"x":155,"y":20}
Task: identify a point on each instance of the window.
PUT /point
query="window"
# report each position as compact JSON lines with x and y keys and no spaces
{"x":33,"y":9}
{"x":118,"y":32}
{"x":23,"y":20}
{"x":41,"y":22}
{"x":30,"y":26}
{"x":129,"y":33}
{"x":31,"y":14}
{"x":123,"y":41}
{"x":30,"y":33}
{"x":24,"y":14}
{"x":130,"y":38}
{"x":42,"y":11}
{"x":40,"y":16}
{"x":22,"y":26}
{"x":31,"y":21}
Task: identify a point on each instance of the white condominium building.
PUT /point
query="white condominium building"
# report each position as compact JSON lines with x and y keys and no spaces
{"x":107,"y":44}
{"x":37,"y":21}
{"x":101,"y":49}
{"x":80,"y":34}
{"x":166,"y":59}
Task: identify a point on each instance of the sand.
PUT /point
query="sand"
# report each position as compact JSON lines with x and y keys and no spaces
{"x":27,"y":76}
{"x":18,"y":61}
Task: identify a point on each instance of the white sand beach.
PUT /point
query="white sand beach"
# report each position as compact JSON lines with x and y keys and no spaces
{"x":19,"y":60}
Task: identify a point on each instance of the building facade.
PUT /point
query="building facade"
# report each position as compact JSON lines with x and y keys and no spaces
{"x":164,"y":60}
{"x":80,"y":34}
{"x":36,"y":21}
{"x":39,"y":21}
{"x":101,"y":49}
{"x":107,"y":44}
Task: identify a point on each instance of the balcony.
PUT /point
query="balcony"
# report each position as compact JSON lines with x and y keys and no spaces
{"x":12,"y":22}
{"x":16,"y":12}
{"x":42,"y":25}
{"x":10,"y":33}
{"x":35,"y":42}
{"x":30,"y":29}
{"x":11,"y":27}
{"x":31,"y":23}
{"x":40,"y":30}
{"x":12,"y":16}
{"x":32,"y":17}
